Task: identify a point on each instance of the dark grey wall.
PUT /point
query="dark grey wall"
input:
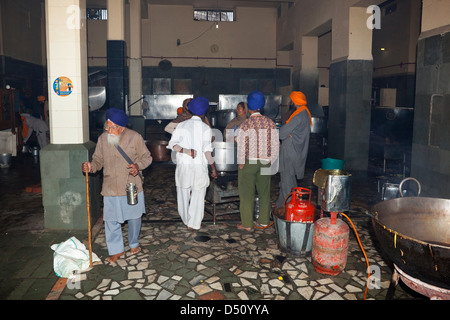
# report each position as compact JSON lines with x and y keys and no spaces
{"x":430,"y":162}
{"x":27,"y":78}
{"x":349,"y":112}
{"x":117,"y":87}
{"x":405,"y":85}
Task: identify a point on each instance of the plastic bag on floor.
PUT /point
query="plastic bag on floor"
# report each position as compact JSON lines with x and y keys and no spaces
{"x":71,"y":257}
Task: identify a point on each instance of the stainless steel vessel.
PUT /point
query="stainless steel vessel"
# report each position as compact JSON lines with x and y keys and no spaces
{"x":225,"y":156}
{"x":132,"y":198}
{"x":223,"y":117}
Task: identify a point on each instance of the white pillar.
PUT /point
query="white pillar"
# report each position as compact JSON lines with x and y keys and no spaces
{"x":67,"y":71}
{"x":63,"y":183}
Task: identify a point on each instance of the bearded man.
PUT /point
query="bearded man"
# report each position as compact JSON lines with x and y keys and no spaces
{"x":294,"y":136}
{"x":117,"y":172}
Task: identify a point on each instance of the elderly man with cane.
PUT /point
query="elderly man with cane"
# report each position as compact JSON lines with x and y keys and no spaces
{"x":122,"y":154}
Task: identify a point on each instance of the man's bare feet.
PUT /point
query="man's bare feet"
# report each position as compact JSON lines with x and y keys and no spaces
{"x":240,"y":226}
{"x":114,"y":257}
{"x":135,"y":250}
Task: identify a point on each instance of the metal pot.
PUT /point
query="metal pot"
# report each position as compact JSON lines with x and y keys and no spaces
{"x":159,"y":151}
{"x":225,"y":156}
{"x":414,"y":234}
{"x":223,"y":117}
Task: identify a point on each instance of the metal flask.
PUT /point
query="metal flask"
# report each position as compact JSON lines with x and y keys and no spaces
{"x":132,"y":198}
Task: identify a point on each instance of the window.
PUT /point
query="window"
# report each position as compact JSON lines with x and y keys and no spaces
{"x":96,"y":14}
{"x":213,"y":15}
{"x":390,"y":9}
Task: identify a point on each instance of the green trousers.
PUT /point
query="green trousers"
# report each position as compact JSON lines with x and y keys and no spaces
{"x":249,"y":178}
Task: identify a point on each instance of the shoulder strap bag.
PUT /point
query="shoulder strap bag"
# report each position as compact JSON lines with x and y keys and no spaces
{"x":129,"y":161}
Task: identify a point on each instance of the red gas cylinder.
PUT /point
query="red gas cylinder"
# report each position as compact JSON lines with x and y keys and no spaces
{"x":299,"y":210}
{"x":330,"y":243}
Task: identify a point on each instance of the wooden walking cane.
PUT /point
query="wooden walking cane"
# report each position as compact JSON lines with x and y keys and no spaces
{"x":89,"y":219}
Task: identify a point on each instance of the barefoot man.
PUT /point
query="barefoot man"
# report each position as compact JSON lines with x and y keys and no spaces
{"x":117,"y":172}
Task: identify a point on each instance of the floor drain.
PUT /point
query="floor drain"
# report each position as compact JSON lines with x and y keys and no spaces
{"x":202,"y":238}
{"x":227,"y":287}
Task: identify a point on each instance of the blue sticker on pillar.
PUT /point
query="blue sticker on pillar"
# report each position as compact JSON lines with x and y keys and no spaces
{"x":63,"y":86}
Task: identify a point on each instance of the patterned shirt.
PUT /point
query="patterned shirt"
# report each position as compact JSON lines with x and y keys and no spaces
{"x":257,"y":139}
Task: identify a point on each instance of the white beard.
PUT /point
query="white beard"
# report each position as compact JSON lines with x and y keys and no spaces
{"x":113,"y":139}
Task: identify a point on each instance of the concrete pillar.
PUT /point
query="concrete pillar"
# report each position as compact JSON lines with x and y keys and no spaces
{"x":116,"y":53}
{"x":135,"y":72}
{"x":137,"y":120}
{"x":350,"y":89}
{"x":309,"y":74}
{"x":63,"y":183}
{"x":430,"y":159}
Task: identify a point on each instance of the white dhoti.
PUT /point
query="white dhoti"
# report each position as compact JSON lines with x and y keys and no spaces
{"x":191,"y":206}
{"x":191,"y":182}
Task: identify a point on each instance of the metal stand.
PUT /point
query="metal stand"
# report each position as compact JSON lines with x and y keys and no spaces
{"x":426,"y":289}
{"x":218,"y":197}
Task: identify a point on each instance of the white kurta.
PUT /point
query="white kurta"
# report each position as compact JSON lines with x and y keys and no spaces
{"x":191,"y":175}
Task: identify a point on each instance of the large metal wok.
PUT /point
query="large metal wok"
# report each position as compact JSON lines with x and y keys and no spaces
{"x":414,"y":232}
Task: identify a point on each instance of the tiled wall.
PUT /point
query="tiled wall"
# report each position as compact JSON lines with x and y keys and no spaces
{"x":431,"y":138}
{"x":349,"y":112}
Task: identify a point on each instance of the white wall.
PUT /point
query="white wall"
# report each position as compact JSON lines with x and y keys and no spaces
{"x":313,"y":18}
{"x":251,"y":37}
{"x":435,"y":14}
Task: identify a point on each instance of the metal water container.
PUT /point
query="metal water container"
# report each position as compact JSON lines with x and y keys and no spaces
{"x":333,"y":190}
{"x":132,"y":198}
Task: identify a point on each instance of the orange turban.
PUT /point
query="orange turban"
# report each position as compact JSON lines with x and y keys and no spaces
{"x":298,"y":98}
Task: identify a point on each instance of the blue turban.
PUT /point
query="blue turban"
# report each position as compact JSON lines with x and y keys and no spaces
{"x":117,"y":116}
{"x":198,"y":106}
{"x":256,"y":100}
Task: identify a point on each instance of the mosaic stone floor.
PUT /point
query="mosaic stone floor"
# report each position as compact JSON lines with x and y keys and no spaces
{"x":220,"y":262}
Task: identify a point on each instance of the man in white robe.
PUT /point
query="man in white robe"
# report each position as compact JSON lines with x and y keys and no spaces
{"x":191,"y":140}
